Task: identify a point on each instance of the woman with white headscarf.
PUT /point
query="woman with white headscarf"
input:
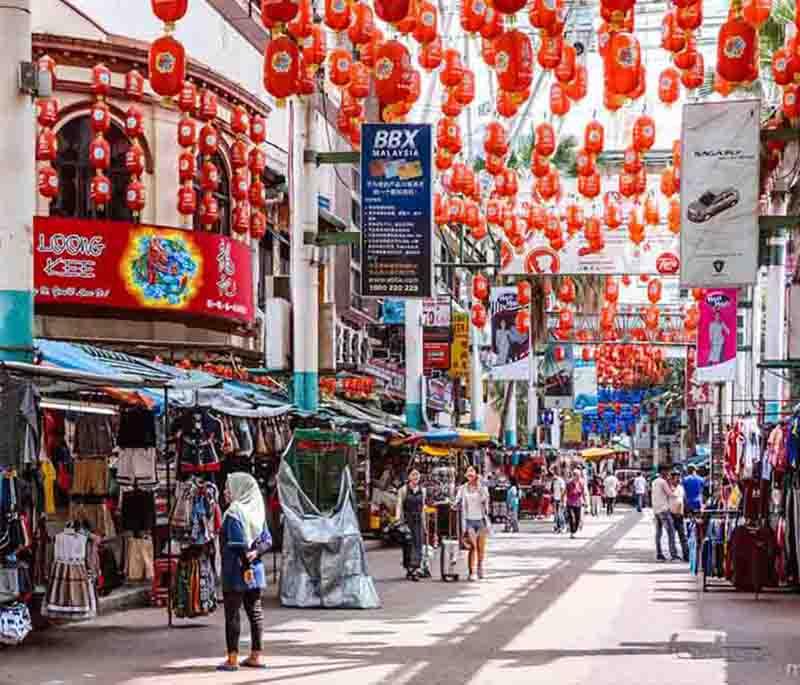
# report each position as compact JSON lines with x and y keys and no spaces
{"x":245,"y":539}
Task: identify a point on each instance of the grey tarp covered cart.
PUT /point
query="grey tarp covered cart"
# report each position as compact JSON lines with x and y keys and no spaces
{"x":324,"y":562}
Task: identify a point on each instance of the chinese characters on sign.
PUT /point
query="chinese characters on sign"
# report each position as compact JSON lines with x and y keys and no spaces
{"x":396,"y":215}
{"x":114,"y":265}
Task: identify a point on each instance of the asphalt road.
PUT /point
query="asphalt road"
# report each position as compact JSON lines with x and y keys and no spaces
{"x":595,"y":610}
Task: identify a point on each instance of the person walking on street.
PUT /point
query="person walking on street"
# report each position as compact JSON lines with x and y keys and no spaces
{"x":693,"y":486}
{"x":473,"y":500}
{"x":558,"y":489}
{"x":611,"y":485}
{"x":660,"y":497}
{"x":575,"y":496}
{"x":512,"y":506}
{"x":245,"y":539}
{"x":639,"y":491}
{"x":676,"y":507}
{"x":596,"y":491}
{"x":411,"y":510}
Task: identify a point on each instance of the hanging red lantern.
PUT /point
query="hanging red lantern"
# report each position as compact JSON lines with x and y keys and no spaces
{"x":480,"y":231}
{"x":514,"y":61}
{"x":686,"y":58}
{"x":523,"y":293}
{"x":543,"y":14}
{"x":134,"y":122}
{"x":187,"y":132}
{"x":545,"y":136}
{"x":99,"y":153}
{"x":674,"y":215}
{"x":242,"y":216}
{"x":257,"y":193}
{"x":453,"y":70}
{"x":631,"y":161}
{"x":238,"y":154}
{"x":464,"y":92}
{"x":623,"y":63}
{"x":611,"y":215}
{"x":522,"y":322}
{"x":209,"y":105}
{"x":566,"y":290}
{"x":340,"y":67}
{"x":654,"y":289}
{"x":594,"y":137}
{"x":209,"y":176}
{"x":337,"y":14}
{"x":301,"y":27}
{"x":208,"y":141}
{"x":789,"y":101}
{"x":281,"y":67}
{"x":737,"y":51}
{"x":363,"y":24}
{"x":274,"y":12}
{"x":644,"y":133}
{"x":431,"y":54}
{"x":565,"y":71}
{"x":407,"y":25}
{"x":480,"y":287}
{"x":426,"y":29}
{"x":101,"y":80}
{"x":756,"y":12}
{"x":258,"y":224}
{"x":652,"y":215}
{"x":167,"y":66}
{"x":187,"y":98}
{"x":240,"y":121}
{"x":46,"y":146}
{"x":359,"y":81}
{"x":47,"y":182}
{"x":135,"y":196}
{"x":478,"y":315}
{"x":100,"y":190}
{"x":585,"y":163}
{"x":577,"y":88}
{"x":209,"y":210}
{"x":559,"y":102}
{"x":669,"y":86}
{"x":611,"y":291}
{"x":668,"y":182}
{"x":695,"y":76}
{"x":134,"y":159}
{"x":240,"y":187}
{"x":492,"y":23}
{"x":99,"y":117}
{"x":473,"y":13}
{"x":187,"y":166}
{"x":134,"y":85}
{"x":169,"y":11}
{"x":392,"y":72}
{"x":550,"y":50}
{"x":47,"y":112}
{"x":690,"y":17}
{"x":488,"y":52}
{"x":589,"y":186}
{"x":559,"y":354}
{"x":187,"y":200}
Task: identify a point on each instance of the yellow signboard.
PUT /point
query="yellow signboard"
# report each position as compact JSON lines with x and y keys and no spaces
{"x":572,"y":433}
{"x":459,"y":348}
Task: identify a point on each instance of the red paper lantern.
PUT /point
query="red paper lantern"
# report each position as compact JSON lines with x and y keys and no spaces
{"x":240,"y":187}
{"x":668,"y":182}
{"x":99,"y":153}
{"x":242,"y":216}
{"x":492,"y":23}
{"x":644,"y":133}
{"x":550,"y":50}
{"x":522,"y":321}
{"x":209,"y":210}
{"x":278,"y":11}
{"x":209,"y":140}
{"x":559,"y":354}
{"x":134,"y":159}
{"x":359,"y":81}
{"x":674,"y":215}
{"x":281,"y":67}
{"x":187,"y":166}
{"x":258,"y":224}
{"x":167,"y":66}
{"x":623,"y":63}
{"x":589,"y":186}
{"x":47,"y":182}
{"x":363,"y":24}
{"x":565,"y":71}
{"x":514,"y":61}
{"x":464,"y":92}
{"x":392,"y":72}
{"x":695,"y":76}
{"x":135,"y":196}
{"x":337,"y":14}
{"x":99,"y":117}
{"x":187,"y":200}
{"x":430,"y":55}
{"x":426,"y":30}
{"x":134,"y":122}
{"x":134,"y":85}
{"x":488,"y":52}
{"x":480,"y":287}
{"x":478,"y":315}
{"x":46,"y":146}
{"x":756,"y":12}
{"x":523,"y":293}
{"x":594,"y":137}
{"x":737,"y":44}
{"x":585,"y":164}
{"x":632,"y":161}
{"x":340,"y":63}
{"x":187,"y":132}
{"x":169,"y":11}
{"x":187,"y":98}
{"x":654,"y":291}
{"x":473,"y":14}
{"x":209,"y":177}
{"x":100,"y":190}
{"x":101,"y":80}
{"x":669,"y":86}
{"x":47,"y":112}
{"x":559,"y":102}
{"x":566,"y":290}
{"x":453,"y":70}
{"x":577,"y":88}
{"x":545,"y":139}
{"x":257,"y":194}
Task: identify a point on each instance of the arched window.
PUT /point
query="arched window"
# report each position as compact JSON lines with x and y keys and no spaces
{"x":75,"y":174}
{"x":223,"y":196}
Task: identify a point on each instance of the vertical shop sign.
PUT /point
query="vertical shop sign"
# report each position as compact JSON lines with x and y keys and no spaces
{"x":584,"y":380}
{"x":510,"y":348}
{"x":696,"y":393}
{"x":436,"y":334}
{"x":716,"y":336}
{"x":396,"y":210}
{"x":459,"y":349}
{"x":558,"y":372}
{"x":720,"y":149}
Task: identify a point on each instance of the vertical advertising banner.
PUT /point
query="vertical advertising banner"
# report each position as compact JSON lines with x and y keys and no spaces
{"x":720,"y":148}
{"x":459,"y":348}
{"x":436,"y":334}
{"x":558,"y":372}
{"x":716,"y":336}
{"x":696,"y":393}
{"x":510,"y":348}
{"x":584,"y":381}
{"x":396,"y":210}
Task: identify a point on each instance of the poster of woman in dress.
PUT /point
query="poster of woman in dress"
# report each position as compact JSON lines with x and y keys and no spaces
{"x":510,"y":347}
{"x":716,"y":336}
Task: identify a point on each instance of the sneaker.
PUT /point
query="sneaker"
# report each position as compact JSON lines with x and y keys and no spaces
{"x":675,"y":559}
{"x":480,"y":572}
{"x":471,"y":578}
{"x":661,"y":558}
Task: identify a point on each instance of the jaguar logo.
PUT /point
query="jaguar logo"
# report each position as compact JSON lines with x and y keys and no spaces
{"x":718,"y":265}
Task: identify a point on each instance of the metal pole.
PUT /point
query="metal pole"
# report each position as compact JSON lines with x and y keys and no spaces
{"x":304,"y":212}
{"x":17,"y":174}
{"x":414,"y":368}
{"x":775,"y":338}
{"x":475,"y":377}
{"x":169,"y":508}
{"x":510,"y":434}
{"x":533,"y":396}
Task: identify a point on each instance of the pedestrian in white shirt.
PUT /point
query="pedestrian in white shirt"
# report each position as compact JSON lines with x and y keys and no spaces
{"x":611,"y":486}
{"x":558,"y":489}
{"x":639,"y":491}
{"x":676,"y":508}
{"x":661,"y":494}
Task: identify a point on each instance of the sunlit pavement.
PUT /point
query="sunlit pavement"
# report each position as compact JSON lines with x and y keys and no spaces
{"x":596,"y":610}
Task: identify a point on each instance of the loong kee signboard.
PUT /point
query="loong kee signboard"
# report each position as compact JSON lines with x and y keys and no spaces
{"x":137,"y":267}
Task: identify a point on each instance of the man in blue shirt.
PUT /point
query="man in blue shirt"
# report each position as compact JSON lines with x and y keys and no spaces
{"x":693,"y":487}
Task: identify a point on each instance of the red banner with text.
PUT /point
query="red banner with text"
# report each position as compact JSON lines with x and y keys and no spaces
{"x":115,"y":265}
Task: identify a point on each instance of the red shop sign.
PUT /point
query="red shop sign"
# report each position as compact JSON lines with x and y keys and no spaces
{"x":435,"y":355}
{"x":116,"y":265}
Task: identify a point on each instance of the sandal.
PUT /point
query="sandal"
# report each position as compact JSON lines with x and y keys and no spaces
{"x":250,"y":664}
{"x":227,"y":667}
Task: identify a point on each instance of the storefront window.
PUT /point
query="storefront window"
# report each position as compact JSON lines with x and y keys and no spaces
{"x":223,"y":196}
{"x":75,"y":174}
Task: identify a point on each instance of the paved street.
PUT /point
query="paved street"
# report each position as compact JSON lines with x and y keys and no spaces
{"x":594,"y":610}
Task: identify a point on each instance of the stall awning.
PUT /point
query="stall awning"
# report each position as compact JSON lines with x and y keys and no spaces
{"x":432,"y":451}
{"x":597,"y":453}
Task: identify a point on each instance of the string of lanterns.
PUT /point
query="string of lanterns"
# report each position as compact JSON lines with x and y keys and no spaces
{"x":46,"y":140}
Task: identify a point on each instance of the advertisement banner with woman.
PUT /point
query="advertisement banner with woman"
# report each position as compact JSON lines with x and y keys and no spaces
{"x":716,"y":336}
{"x":510,"y":347}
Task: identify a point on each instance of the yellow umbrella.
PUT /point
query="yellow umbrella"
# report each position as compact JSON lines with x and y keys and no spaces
{"x":432,"y":451}
{"x":597,"y":453}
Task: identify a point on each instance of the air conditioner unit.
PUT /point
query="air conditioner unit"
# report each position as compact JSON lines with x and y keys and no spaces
{"x":277,"y":338}
{"x":327,"y":337}
{"x":278,"y":286}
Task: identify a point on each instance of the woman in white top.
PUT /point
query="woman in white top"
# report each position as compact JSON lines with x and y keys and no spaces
{"x":473,"y":501}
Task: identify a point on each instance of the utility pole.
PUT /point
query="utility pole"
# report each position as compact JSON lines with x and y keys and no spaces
{"x":511,"y":417}
{"x":414,"y":370}
{"x":533,"y":396}
{"x":775,"y":339}
{"x":17,"y":179}
{"x":475,"y":374}
{"x":304,"y":210}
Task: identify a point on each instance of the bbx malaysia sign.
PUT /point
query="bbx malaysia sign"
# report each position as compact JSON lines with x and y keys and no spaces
{"x":136,"y":267}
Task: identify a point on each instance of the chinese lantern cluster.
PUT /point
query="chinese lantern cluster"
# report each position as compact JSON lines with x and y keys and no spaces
{"x":134,"y":157}
{"x":785,"y":74}
{"x":629,"y":366}
{"x":285,"y":72}
{"x":248,"y":195}
{"x":167,"y":56}
{"x":99,"y":149}
{"x":548,"y":179}
{"x":352,"y":77}
{"x":256,"y":164}
{"x":46,"y":140}
{"x":187,"y":159}
{"x":208,"y":144}
{"x":679,"y":29}
{"x":360,"y":387}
